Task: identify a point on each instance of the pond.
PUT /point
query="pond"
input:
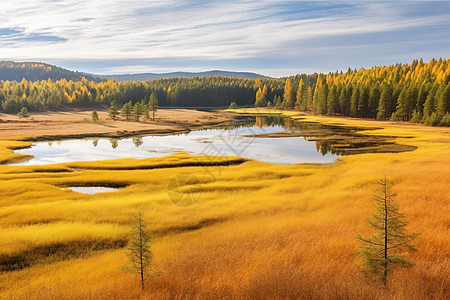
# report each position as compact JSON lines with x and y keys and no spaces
{"x":263,"y":138}
{"x":92,"y":189}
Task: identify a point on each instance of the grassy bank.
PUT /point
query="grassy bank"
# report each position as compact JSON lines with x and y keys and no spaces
{"x":255,"y":230}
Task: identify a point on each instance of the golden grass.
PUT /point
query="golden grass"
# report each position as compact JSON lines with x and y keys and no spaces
{"x":257,"y":231}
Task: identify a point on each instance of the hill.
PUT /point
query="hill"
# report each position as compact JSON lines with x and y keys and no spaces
{"x":153,"y":76}
{"x":35,"y":71}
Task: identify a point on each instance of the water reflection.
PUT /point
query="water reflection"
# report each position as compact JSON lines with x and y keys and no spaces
{"x":137,"y":141}
{"x":114,"y":143}
{"x":271,"y":139}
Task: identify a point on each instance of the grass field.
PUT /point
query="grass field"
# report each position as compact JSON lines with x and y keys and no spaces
{"x":255,"y":231}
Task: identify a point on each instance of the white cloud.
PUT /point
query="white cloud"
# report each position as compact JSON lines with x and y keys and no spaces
{"x":209,"y":31}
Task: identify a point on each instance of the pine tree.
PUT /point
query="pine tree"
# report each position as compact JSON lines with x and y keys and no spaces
{"x":233,"y":105}
{"x":23,"y":113}
{"x":139,"y":251}
{"x":153,"y":104}
{"x":333,"y":101}
{"x":385,"y":104}
{"x":113,"y":111}
{"x":354,"y":102}
{"x":388,"y":248}
{"x":94,"y":116}
{"x":138,"y":111}
{"x":443,"y":102}
{"x":127,"y":109}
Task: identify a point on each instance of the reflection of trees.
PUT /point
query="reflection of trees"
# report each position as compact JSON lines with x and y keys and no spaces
{"x":50,"y":144}
{"x":95,"y":142}
{"x":266,"y":121}
{"x":137,"y":141}
{"x":114,"y":143}
{"x":325,"y":147}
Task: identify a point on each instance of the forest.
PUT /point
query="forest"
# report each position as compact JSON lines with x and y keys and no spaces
{"x":417,"y":92}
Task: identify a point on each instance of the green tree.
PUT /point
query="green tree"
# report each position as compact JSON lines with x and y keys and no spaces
{"x":113,"y":111}
{"x":153,"y":104}
{"x":94,"y":116}
{"x":333,"y":101}
{"x":137,"y":111}
{"x":443,"y":103}
{"x":23,"y":113}
{"x":388,"y":248}
{"x":127,"y":110}
{"x":233,"y":105}
{"x":385,"y":104}
{"x":139,"y":251}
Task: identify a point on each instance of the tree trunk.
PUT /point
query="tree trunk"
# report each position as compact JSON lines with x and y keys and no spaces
{"x":141,"y":264}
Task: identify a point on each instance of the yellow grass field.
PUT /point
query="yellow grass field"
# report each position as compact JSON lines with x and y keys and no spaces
{"x":254,"y":231}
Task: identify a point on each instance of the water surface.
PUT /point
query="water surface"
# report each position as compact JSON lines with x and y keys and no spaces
{"x":239,"y":140}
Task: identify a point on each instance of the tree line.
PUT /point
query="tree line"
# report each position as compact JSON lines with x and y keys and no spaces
{"x":417,"y":92}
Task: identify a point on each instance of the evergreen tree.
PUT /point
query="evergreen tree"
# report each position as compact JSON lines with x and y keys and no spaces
{"x":386,"y":249}
{"x":139,"y":251}
{"x":94,"y":116}
{"x":233,"y":105}
{"x":354,"y":102}
{"x":153,"y":104}
{"x":113,"y":111}
{"x":443,"y":102}
{"x":333,"y":101}
{"x":385,"y":104}
{"x":137,"y":111}
{"x":127,"y":110}
{"x":23,"y":113}
{"x":374,"y":98}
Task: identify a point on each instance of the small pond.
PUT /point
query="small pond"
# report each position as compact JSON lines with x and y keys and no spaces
{"x":92,"y":189}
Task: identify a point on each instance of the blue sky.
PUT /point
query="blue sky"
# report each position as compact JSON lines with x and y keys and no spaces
{"x":275,"y":38}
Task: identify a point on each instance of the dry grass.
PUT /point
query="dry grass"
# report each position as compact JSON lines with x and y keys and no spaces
{"x":257,"y":230}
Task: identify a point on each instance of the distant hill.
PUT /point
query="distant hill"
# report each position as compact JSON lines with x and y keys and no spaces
{"x":35,"y":71}
{"x":152,"y":76}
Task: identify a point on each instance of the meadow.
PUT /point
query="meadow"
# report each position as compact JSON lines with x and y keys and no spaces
{"x":254,"y":231}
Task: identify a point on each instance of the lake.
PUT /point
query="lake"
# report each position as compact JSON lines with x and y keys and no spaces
{"x":263,"y":138}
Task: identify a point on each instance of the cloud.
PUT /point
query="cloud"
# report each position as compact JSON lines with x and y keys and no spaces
{"x":195,"y":35}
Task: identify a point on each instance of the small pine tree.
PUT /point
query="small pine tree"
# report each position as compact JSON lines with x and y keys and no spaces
{"x":382,"y":251}
{"x":139,"y":252}
{"x":94,"y":116}
{"x":233,"y":105}
{"x":113,"y":111}
{"x":23,"y":113}
{"x":153,"y":104}
{"x":127,"y":109}
{"x":138,"y":111}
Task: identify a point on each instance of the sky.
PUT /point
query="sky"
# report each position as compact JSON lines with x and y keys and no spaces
{"x":274,"y":38}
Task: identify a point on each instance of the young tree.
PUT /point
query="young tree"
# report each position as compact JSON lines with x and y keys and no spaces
{"x":138,"y":111}
{"x":233,"y":105}
{"x":23,"y":113}
{"x":381,"y":252}
{"x":113,"y":110}
{"x":94,"y":116}
{"x":153,"y":104}
{"x":139,"y":251}
{"x":127,"y":109}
